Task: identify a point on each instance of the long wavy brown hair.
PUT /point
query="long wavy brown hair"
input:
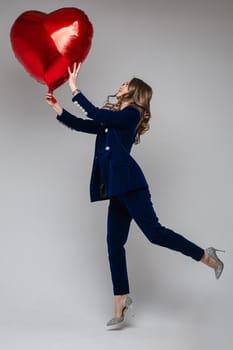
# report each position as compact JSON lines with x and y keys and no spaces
{"x":139,"y":94}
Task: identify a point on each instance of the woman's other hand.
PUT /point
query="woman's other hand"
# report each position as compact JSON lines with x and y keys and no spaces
{"x":73,"y":76}
{"x":51,"y":100}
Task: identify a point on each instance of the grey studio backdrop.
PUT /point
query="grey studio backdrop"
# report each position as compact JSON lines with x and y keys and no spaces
{"x":54,"y":272}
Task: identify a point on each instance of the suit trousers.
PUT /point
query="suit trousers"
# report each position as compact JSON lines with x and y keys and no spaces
{"x":137,"y":205}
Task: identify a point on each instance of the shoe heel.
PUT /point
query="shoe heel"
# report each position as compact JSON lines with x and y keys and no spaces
{"x":219,"y":250}
{"x":129,"y":306}
{"x":132,"y":310}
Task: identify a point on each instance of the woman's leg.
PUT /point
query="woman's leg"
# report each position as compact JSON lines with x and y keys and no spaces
{"x":118,"y":224}
{"x":141,"y":209}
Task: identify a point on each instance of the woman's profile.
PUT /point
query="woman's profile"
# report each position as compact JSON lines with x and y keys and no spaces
{"x":117,"y":177}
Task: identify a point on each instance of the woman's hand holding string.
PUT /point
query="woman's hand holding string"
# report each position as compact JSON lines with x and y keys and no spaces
{"x":51,"y":100}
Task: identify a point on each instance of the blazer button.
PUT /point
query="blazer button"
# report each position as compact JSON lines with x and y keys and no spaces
{"x":107,"y":148}
{"x":106,"y":130}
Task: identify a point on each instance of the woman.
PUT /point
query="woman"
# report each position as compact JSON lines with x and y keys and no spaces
{"x":117,"y":177}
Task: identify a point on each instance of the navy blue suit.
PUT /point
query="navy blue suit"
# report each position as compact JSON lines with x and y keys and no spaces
{"x":114,"y":171}
{"x":117,"y":176}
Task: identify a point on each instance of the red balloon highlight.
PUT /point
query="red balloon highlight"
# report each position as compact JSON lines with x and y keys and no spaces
{"x":46,"y":44}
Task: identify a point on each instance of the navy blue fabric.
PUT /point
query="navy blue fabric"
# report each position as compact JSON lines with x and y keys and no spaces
{"x":137,"y":205}
{"x":114,"y":170}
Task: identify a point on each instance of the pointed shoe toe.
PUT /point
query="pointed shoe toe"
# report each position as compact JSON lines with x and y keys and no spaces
{"x":118,"y":322}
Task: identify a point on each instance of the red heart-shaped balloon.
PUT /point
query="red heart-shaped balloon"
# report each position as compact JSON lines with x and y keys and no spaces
{"x":46,"y":44}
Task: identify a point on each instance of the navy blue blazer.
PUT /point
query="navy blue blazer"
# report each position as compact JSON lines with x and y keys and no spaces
{"x":114,"y":170}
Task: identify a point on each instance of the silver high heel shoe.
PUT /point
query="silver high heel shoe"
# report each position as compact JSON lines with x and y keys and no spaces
{"x":117,"y":322}
{"x":211,"y":251}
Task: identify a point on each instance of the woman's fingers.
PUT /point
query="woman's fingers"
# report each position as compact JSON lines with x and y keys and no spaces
{"x":73,"y":73}
{"x":75,"y":69}
{"x":75,"y":65}
{"x":79,"y":65}
{"x":53,"y":99}
{"x":50,"y":98}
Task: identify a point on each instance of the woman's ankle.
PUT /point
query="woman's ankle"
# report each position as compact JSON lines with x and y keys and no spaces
{"x":209,"y":261}
{"x":120,"y":296}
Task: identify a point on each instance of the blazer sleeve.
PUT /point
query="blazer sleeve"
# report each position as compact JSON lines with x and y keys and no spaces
{"x":78,"y":124}
{"x":123,"y":119}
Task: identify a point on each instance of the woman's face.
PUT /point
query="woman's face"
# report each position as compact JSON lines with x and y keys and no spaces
{"x":124,"y":88}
